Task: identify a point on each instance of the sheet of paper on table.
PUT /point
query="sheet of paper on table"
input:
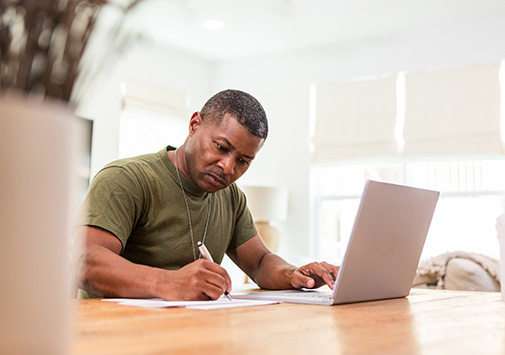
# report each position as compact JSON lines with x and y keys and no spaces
{"x":160,"y":303}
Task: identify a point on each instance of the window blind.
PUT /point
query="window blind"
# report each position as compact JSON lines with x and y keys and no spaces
{"x":355,"y":119}
{"x":453,"y":111}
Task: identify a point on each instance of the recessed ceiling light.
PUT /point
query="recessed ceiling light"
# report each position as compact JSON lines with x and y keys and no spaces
{"x":213,"y":24}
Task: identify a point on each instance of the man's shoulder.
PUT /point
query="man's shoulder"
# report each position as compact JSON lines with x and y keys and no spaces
{"x":139,"y":169}
{"x":136,"y":160}
{"x":134,"y":163}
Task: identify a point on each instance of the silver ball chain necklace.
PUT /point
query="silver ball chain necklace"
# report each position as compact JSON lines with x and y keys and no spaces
{"x":189,"y":215}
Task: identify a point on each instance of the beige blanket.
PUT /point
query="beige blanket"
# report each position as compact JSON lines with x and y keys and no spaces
{"x":481,"y":273}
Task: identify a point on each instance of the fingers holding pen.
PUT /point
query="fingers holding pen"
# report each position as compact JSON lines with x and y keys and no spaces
{"x":219,"y":276}
{"x":199,"y":280}
{"x":206,"y":255}
{"x":206,"y":280}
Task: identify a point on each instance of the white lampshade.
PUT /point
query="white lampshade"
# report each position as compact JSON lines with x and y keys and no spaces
{"x":267,"y":203}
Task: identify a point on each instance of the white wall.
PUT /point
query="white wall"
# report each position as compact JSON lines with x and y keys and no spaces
{"x":281,"y":83}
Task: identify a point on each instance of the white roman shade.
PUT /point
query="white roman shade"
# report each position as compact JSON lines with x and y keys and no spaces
{"x":355,"y":119}
{"x":453,"y":111}
{"x":155,"y":99}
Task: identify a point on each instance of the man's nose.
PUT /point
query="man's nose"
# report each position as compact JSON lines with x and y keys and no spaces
{"x":227,"y":164}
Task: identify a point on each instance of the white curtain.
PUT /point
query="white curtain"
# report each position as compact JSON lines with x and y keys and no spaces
{"x":453,"y":111}
{"x":355,"y":119}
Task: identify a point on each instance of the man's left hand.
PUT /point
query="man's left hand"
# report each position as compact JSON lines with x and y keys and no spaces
{"x":315,"y":275}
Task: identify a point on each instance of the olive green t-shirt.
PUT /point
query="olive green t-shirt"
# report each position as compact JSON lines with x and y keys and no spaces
{"x":140,"y":201}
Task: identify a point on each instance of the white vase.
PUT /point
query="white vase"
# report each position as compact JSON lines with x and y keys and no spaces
{"x":36,"y":183}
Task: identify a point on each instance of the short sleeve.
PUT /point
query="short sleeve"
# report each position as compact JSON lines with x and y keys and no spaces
{"x":114,"y":202}
{"x":244,"y":224}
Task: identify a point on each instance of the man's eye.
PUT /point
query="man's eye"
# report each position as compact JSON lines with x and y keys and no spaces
{"x":243,"y":161}
{"x":220,"y":147}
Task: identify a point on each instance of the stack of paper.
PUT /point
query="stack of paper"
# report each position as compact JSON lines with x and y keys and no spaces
{"x":160,"y":303}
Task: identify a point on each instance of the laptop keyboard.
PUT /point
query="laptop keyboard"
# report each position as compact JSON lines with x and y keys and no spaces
{"x":296,"y":293}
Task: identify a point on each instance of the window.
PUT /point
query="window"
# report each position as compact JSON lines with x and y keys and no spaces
{"x":151,"y":118}
{"x":472,"y":193}
{"x":142,"y":132}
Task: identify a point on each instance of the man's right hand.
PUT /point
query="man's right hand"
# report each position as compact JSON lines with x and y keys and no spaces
{"x":199,"y":280}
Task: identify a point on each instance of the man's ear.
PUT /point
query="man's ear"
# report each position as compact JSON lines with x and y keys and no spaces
{"x":195,"y":122}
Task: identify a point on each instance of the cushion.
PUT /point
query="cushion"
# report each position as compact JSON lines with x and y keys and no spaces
{"x":465,"y":274}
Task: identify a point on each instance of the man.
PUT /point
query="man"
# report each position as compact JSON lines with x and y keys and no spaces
{"x":143,"y":216}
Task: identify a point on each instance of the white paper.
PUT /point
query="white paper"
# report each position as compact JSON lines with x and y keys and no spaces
{"x":160,"y":303}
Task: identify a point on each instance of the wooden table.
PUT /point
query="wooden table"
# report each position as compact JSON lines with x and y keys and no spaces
{"x":427,"y":322}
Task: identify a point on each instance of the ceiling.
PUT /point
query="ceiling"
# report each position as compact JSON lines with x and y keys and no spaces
{"x":264,"y":26}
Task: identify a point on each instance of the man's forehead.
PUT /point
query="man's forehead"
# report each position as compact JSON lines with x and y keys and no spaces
{"x":237,"y":137}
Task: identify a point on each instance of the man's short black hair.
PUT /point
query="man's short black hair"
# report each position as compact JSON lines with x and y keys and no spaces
{"x":242,"y":106}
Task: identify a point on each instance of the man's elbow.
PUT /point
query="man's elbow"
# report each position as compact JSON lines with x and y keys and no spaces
{"x":87,"y":269}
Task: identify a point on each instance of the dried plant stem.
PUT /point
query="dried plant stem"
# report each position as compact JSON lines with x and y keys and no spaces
{"x":42,"y":43}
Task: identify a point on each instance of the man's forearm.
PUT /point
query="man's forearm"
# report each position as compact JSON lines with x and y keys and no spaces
{"x":274,"y":273}
{"x":107,"y":274}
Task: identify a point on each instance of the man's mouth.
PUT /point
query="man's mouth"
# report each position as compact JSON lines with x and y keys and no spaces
{"x":218,"y":179}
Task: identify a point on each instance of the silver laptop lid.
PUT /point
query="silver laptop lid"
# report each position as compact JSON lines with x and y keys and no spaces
{"x":386,"y":242}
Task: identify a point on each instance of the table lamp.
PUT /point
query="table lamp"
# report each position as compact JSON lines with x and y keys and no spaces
{"x":267,"y":204}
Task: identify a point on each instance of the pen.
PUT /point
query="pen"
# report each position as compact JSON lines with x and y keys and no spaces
{"x":206,"y":255}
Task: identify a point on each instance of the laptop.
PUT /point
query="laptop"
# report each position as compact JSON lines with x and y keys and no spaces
{"x":383,"y":250}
